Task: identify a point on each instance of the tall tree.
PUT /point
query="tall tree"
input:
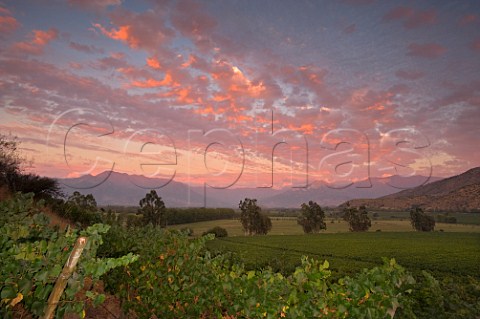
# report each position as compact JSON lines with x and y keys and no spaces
{"x":253,"y":221}
{"x":312,"y":218}
{"x":421,"y":221}
{"x":153,"y":209}
{"x":81,"y":209}
{"x":357,"y":218}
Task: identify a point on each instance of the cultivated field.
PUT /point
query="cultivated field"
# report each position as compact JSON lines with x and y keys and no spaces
{"x":289,"y":226}
{"x":440,"y":253}
{"x":453,"y":249}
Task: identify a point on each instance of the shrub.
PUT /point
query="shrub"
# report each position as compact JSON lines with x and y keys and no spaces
{"x":217,"y":231}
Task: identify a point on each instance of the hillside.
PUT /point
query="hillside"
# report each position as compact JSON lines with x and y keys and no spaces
{"x":456,"y":193}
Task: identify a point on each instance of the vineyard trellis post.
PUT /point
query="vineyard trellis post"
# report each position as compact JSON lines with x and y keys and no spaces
{"x":61,"y":282}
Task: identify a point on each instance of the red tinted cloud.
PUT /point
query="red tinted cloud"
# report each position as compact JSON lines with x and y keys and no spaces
{"x":154,"y":63}
{"x":38,"y":39}
{"x":144,"y":30}
{"x":122,"y":33}
{"x":409,"y":74}
{"x":468,"y":19}
{"x":427,"y":50}
{"x":411,"y":19}
{"x":421,"y":19}
{"x":475,"y":45}
{"x":398,"y":13}
{"x":7,"y":22}
{"x":350,"y":29}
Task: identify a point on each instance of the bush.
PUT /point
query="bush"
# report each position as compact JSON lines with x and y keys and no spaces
{"x":217,"y":231}
{"x":188,"y":231}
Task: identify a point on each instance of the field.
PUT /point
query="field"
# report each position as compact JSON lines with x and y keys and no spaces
{"x":454,"y":251}
{"x":439,"y":253}
{"x":289,"y":226}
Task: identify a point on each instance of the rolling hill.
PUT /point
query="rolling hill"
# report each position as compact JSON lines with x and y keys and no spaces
{"x":456,"y":193}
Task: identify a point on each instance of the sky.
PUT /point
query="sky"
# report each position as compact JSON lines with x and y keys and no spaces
{"x":242,"y":93}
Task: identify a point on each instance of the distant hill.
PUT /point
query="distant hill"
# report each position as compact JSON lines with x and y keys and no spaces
{"x":326,"y":195}
{"x":456,"y":193}
{"x":112,"y":188}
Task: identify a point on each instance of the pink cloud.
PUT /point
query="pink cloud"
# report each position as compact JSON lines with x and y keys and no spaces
{"x":8,"y":23}
{"x":475,"y":45}
{"x":420,"y":19}
{"x":350,"y":29}
{"x":411,"y":19}
{"x":398,"y":13}
{"x":38,"y":39}
{"x":427,"y":50}
{"x":146,"y":30}
{"x":154,"y":63}
{"x":468,"y":19}
{"x":409,"y":74}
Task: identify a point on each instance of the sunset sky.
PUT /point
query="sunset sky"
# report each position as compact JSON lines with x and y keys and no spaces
{"x":206,"y":91}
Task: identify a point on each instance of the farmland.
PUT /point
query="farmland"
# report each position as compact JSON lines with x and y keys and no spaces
{"x":454,"y":250}
{"x":440,"y":252}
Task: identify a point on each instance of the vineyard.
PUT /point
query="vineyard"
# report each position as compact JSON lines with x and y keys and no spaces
{"x":440,"y":253}
{"x":171,"y":276}
{"x":158,"y":273}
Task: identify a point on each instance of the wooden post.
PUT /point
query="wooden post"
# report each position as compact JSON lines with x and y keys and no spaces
{"x":61,"y":282}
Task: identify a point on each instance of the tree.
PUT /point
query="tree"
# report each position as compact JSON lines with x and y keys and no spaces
{"x":253,"y":221}
{"x":82,"y":209}
{"x":153,"y":209}
{"x":421,"y":221}
{"x":357,"y":218}
{"x":10,"y":161}
{"x":13,"y":177}
{"x":312,"y":218}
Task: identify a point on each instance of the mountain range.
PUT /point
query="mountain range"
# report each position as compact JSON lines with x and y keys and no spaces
{"x":113,"y":188}
{"x":456,"y":193}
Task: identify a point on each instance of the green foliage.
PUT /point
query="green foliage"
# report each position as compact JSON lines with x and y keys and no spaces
{"x":153,"y":209}
{"x":421,"y":221}
{"x":81,"y":209}
{"x":444,"y":299}
{"x":175,"y":216}
{"x":312,"y":218}
{"x":442,"y":254}
{"x":217,"y":231}
{"x":176,"y":278}
{"x":252,"y":219}
{"x":32,"y":256}
{"x":357,"y":218}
